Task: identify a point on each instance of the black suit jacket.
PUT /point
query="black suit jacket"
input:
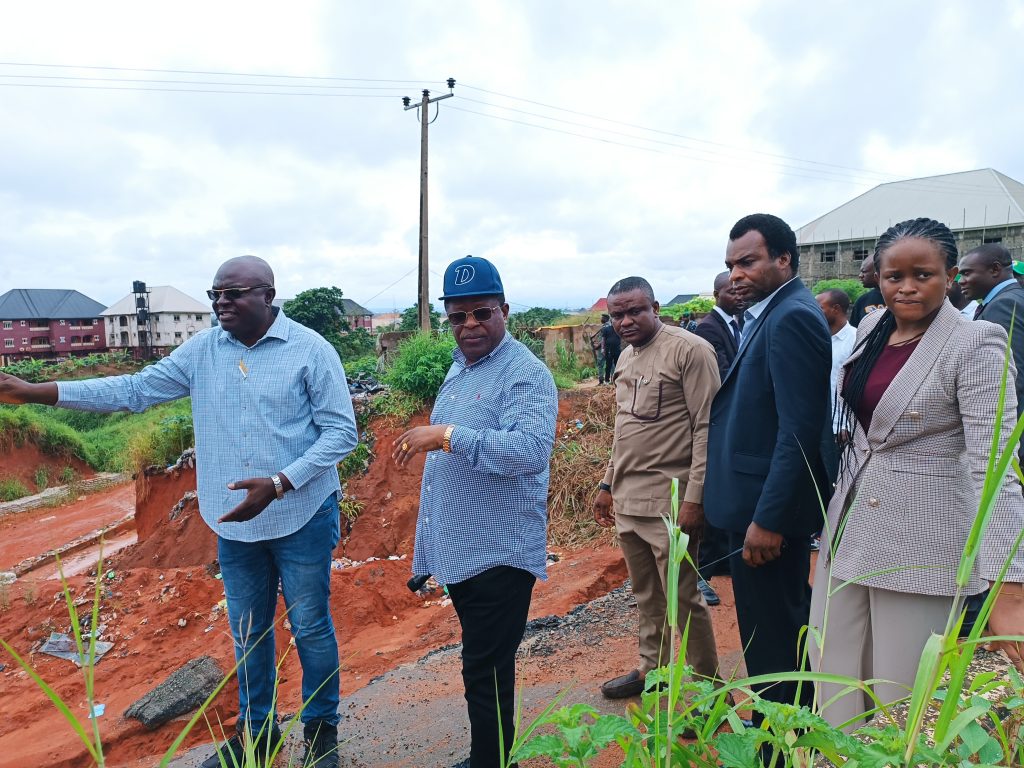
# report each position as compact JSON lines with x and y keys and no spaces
{"x":770,"y":436}
{"x":1007,"y":309}
{"x":715,"y":330}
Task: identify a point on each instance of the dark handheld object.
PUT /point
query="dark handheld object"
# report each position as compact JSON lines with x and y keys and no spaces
{"x":416,"y":583}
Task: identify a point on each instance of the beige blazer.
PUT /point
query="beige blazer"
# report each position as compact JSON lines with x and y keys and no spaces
{"x":910,"y":489}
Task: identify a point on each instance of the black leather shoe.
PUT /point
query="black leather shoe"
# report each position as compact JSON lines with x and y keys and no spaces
{"x":710,"y":596}
{"x":631,"y":684}
{"x":321,"y":744}
{"x":233,"y":750}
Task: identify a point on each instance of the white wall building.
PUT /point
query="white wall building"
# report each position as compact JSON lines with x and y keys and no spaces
{"x":175,"y":318}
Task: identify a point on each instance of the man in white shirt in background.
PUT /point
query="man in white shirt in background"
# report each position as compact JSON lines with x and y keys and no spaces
{"x":836,"y":304}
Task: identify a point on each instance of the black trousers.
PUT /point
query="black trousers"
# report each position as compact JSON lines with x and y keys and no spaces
{"x":492,"y":608}
{"x":773,"y":604}
{"x":611,"y":357}
{"x":713,"y":557}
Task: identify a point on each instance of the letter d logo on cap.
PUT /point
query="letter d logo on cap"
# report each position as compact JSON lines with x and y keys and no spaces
{"x":463,"y":274}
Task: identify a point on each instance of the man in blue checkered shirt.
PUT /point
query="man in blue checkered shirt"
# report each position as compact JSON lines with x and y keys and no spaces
{"x":272,"y":418}
{"x":482,"y":526}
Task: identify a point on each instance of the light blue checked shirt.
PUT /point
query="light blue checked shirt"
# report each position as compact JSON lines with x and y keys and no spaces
{"x":289,"y":411}
{"x":485,"y":503}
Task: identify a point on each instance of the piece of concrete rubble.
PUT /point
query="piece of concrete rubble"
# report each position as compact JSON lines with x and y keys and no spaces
{"x":183,"y":690}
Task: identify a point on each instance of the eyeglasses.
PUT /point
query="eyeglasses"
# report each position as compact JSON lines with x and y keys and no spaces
{"x":232,"y":294}
{"x":480,"y":314}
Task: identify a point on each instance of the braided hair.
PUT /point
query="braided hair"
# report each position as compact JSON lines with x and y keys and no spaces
{"x":875,"y":342}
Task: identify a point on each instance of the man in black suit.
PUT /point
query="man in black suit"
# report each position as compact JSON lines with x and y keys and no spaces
{"x":723,"y":324}
{"x":986,"y":274}
{"x":768,"y":440}
{"x":721,"y":327}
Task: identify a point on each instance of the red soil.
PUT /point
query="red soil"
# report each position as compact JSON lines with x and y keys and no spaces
{"x":390,"y":495}
{"x":22,"y":462}
{"x":160,"y":610}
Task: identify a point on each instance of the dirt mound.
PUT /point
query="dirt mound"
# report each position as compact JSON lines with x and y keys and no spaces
{"x":172,"y":533}
{"x":27,"y":463}
{"x":390,"y":497}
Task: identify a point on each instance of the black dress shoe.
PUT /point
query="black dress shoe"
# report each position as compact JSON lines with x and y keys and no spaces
{"x":710,"y":596}
{"x":631,"y":684}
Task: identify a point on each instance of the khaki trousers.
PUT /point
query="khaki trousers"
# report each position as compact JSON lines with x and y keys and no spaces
{"x":870,"y":633}
{"x":644,"y":542}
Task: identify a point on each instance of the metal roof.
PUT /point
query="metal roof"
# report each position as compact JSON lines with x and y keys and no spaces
{"x":48,"y":304}
{"x":352,"y":308}
{"x":967,"y":200}
{"x":163,"y":299}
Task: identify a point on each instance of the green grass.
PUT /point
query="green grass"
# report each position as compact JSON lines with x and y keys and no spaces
{"x":12,"y":489}
{"x":112,"y":442}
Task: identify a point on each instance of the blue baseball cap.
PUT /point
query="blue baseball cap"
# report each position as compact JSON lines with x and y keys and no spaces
{"x":471,"y":276}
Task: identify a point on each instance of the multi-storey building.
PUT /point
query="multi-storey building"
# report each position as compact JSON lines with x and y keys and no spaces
{"x":48,"y":323}
{"x":174,"y":318}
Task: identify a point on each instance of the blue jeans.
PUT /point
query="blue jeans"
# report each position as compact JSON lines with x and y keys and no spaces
{"x":301,"y":564}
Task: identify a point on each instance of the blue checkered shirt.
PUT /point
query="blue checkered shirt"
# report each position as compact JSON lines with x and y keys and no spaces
{"x":290,"y":412}
{"x":485,"y":503}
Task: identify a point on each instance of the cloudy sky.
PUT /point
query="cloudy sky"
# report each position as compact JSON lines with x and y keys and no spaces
{"x":586,"y":141}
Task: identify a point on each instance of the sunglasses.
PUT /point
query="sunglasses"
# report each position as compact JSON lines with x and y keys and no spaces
{"x":480,"y":314}
{"x":232,"y":294}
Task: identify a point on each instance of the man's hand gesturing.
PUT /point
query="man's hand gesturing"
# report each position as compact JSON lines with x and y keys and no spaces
{"x":14,"y":391}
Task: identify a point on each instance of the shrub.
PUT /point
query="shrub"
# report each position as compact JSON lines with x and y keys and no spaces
{"x":11,"y":489}
{"x":41,"y":477}
{"x":420,"y":365}
{"x":698,"y":306}
{"x":361,"y":366}
{"x":851,"y":288}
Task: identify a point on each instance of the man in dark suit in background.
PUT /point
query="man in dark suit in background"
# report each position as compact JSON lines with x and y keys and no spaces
{"x":721,"y":327}
{"x":723,"y":324}
{"x":986,"y":274}
{"x":768,"y":440}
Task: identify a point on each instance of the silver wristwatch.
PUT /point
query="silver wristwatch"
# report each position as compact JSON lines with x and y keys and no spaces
{"x":278,"y":486}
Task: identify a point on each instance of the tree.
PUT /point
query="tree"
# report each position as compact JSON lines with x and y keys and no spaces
{"x":535,"y":317}
{"x":322,"y":310}
{"x":851,"y":288}
{"x":410,"y":320}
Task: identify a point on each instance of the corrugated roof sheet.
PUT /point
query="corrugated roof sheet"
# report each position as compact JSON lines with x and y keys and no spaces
{"x":47,"y":304}
{"x":967,"y":200}
{"x":163,"y":299}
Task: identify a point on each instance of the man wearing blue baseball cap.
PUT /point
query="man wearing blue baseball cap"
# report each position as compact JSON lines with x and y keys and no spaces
{"x":482,"y":526}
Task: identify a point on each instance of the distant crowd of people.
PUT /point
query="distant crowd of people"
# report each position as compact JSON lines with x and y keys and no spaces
{"x":779,"y":417}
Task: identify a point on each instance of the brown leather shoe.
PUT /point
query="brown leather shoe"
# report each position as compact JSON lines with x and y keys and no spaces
{"x":631,"y":684}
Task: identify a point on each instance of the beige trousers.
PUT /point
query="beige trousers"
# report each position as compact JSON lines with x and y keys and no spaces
{"x":871,"y":633}
{"x":644,"y":542}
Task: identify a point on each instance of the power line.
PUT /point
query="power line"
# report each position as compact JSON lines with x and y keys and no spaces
{"x":367,"y":301}
{"x":234,"y":83}
{"x":207,"y":72}
{"x":197,"y":90}
{"x":676,"y":135}
{"x":834,"y":175}
{"x":920,"y":185}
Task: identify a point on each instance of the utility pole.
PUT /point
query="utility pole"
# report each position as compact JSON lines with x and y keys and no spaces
{"x":423,"y":300}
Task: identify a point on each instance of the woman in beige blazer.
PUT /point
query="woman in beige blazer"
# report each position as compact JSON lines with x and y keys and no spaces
{"x":920,"y":388}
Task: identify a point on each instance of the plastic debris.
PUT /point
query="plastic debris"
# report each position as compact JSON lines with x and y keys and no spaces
{"x":62,"y":646}
{"x":111,"y":574}
{"x":8,"y":577}
{"x":97,"y":710}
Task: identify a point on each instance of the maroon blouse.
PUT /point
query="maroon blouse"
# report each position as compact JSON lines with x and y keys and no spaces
{"x":889,"y":363}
